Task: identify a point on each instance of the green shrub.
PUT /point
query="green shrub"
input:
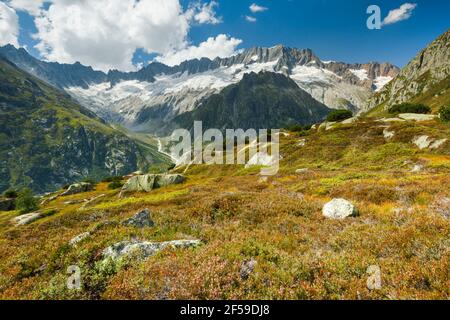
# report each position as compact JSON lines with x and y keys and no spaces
{"x":10,"y":194}
{"x":115,"y":185}
{"x":339,"y":115}
{"x":409,"y":108}
{"x":444,"y":113}
{"x":26,"y":202}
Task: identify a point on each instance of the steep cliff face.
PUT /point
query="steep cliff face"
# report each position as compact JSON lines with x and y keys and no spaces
{"x":425,"y":79}
{"x":47,"y":140}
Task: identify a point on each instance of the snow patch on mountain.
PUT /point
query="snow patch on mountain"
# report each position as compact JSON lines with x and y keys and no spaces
{"x":361,"y":74}
{"x":381,"y":82}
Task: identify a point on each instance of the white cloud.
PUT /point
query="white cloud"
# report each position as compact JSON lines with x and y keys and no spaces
{"x":256,"y":8}
{"x":31,"y":6}
{"x":105,"y":33}
{"x":400,"y":14}
{"x":251,"y":19}
{"x":9,"y":25}
{"x":221,"y":46}
{"x":204,"y":13}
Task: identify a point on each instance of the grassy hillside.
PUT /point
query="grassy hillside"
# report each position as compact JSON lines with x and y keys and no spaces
{"x":402,"y":227}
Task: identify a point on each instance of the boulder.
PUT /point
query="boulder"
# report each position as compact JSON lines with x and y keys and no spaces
{"x":301,"y":171}
{"x":417,"y":117}
{"x":7,"y":204}
{"x":144,"y":249}
{"x":140,"y":220}
{"x":27,"y":218}
{"x":149,"y":182}
{"x":247,"y":268}
{"x":79,"y":238}
{"x":422,"y":142}
{"x":78,"y":188}
{"x":339,"y":209}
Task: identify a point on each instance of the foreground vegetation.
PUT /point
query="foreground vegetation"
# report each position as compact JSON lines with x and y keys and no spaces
{"x":402,"y":227}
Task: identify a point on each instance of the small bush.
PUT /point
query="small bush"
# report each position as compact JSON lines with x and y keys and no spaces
{"x":26,"y":202}
{"x":444,"y":113}
{"x":409,"y":108}
{"x":115,"y":185}
{"x":11,"y":194}
{"x":339,"y":115}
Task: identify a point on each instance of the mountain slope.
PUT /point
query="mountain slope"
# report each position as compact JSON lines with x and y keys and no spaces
{"x":426,"y":79}
{"x":264,"y":100}
{"x":47,"y":140}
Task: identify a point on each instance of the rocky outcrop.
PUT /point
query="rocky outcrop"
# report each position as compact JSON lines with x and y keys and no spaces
{"x":78,"y":188}
{"x":247,"y":268}
{"x":81,"y":237}
{"x":27,"y":218}
{"x":339,"y":209}
{"x":424,"y":142}
{"x":144,"y":250}
{"x":429,"y":68}
{"x":149,"y":182}
{"x":140,"y":220}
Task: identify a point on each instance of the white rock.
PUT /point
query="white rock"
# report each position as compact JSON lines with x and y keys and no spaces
{"x":79,"y":238}
{"x":27,"y":218}
{"x":422,"y":142}
{"x":303,"y":170}
{"x":144,"y":249}
{"x":438,"y":143}
{"x":350,"y":121}
{"x":417,"y":117}
{"x":388,"y":134}
{"x":339,"y":209}
{"x":417,"y":168}
{"x":302,"y":143}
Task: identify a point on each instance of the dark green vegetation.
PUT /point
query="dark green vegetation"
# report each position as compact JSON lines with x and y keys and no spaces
{"x":339,"y":115}
{"x":263,"y":100}
{"x":47,"y":140}
{"x":11,"y":194}
{"x":409,"y":108}
{"x":26,"y":202}
{"x":444,"y":113}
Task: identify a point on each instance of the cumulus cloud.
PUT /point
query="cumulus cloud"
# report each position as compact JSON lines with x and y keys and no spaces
{"x":204,"y":13}
{"x":400,"y":14}
{"x":251,"y":19}
{"x":9,"y":26}
{"x":106,"y":33}
{"x":31,"y":6}
{"x":256,"y":8}
{"x":220,"y":46}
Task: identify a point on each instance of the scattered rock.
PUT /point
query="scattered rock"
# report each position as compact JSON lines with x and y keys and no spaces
{"x":7,"y":204}
{"x":302,"y":143}
{"x":391,"y":120}
{"x":140,"y":220}
{"x":144,"y":249}
{"x":50,"y":199}
{"x":438,"y":143}
{"x":247,"y":268}
{"x":339,"y":209}
{"x":71,"y":202}
{"x":301,"y":171}
{"x":27,"y":218}
{"x":350,"y":120}
{"x":89,"y":201}
{"x":79,"y":238}
{"x":417,"y":168}
{"x":150,"y":182}
{"x":388,"y":134}
{"x":417,"y":117}
{"x":78,"y":188}
{"x":422,"y":142}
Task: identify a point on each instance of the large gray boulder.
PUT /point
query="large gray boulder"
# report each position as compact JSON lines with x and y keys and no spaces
{"x":339,"y":209}
{"x":27,"y":218}
{"x":7,"y":204}
{"x":144,"y":250}
{"x":140,"y":220}
{"x":149,"y":182}
{"x":78,"y":188}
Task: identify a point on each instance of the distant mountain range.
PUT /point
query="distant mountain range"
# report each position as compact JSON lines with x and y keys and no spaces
{"x":149,"y":99}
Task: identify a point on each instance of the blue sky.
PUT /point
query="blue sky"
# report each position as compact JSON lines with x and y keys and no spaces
{"x":334,"y":29}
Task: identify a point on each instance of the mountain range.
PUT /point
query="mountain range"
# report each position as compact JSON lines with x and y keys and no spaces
{"x":148,"y":99}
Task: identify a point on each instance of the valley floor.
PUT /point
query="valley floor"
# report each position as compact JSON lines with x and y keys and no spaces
{"x":260,"y":239}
